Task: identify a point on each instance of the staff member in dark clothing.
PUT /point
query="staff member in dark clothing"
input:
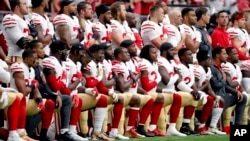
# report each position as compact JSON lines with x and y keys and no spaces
{"x":203,"y":17}
{"x":221,"y":88}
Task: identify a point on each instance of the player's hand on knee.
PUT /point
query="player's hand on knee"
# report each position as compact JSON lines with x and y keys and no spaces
{"x":75,"y":100}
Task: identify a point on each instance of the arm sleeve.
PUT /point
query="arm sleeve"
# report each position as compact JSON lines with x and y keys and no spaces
{"x":102,"y":88}
{"x":146,"y":84}
{"x":54,"y":83}
{"x":91,"y":82}
{"x":242,"y":56}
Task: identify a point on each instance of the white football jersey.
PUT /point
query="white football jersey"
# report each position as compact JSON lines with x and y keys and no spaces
{"x":187,"y":73}
{"x":47,"y":27}
{"x":72,"y":70}
{"x":161,"y":61}
{"x":93,"y":68}
{"x":104,"y":31}
{"x":88,"y":33}
{"x":72,"y":22}
{"x":61,"y":69}
{"x":123,"y":28}
{"x":132,"y":65}
{"x":107,"y":67}
{"x":233,"y":70}
{"x":151,"y":30}
{"x":14,"y":27}
{"x":191,"y":31}
{"x":241,"y":34}
{"x":202,"y":75}
{"x":174,"y":35}
{"x":29,"y":74}
{"x":153,"y":72}
{"x":121,"y":68}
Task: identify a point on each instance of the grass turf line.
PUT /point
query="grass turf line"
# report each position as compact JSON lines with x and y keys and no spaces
{"x":188,"y":138}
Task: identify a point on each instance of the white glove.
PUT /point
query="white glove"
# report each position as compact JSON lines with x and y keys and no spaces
{"x":3,"y":100}
{"x":168,"y":91}
{"x":89,"y":90}
{"x":9,"y":90}
{"x":92,"y":91}
{"x":111,"y":92}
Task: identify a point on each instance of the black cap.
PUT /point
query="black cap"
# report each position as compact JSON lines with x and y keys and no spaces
{"x":126,"y":43}
{"x":101,"y":9}
{"x":105,"y":45}
{"x":165,"y":46}
{"x":64,"y":3}
{"x":77,"y":46}
{"x":202,"y":55}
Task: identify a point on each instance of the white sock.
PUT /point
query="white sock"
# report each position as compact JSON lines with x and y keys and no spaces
{"x":72,"y":128}
{"x":216,"y":114}
{"x":186,"y":120}
{"x":201,"y":125}
{"x":114,"y":131}
{"x":100,"y":114}
{"x":152,"y":127}
{"x":172,"y":126}
{"x":20,"y":131}
{"x":62,"y":131}
{"x":13,"y":133}
{"x":128,"y":128}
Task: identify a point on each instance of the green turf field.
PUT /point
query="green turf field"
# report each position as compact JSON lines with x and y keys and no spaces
{"x":188,"y":138}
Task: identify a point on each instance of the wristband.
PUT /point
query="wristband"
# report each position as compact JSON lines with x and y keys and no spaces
{"x":32,"y":87}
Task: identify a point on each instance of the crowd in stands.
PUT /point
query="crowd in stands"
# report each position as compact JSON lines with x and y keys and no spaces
{"x":91,"y":71}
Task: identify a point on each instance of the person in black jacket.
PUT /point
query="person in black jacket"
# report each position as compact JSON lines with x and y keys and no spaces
{"x":219,"y":85}
{"x":203,"y":17}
